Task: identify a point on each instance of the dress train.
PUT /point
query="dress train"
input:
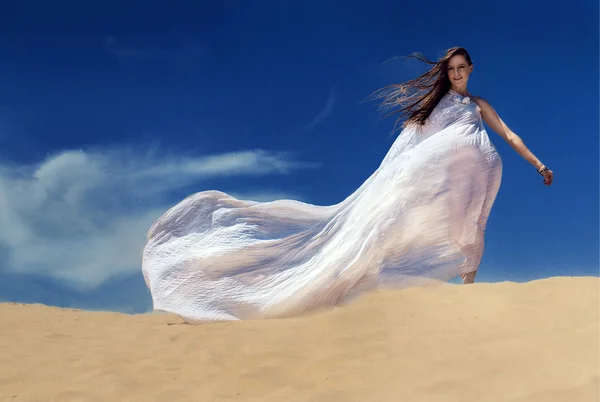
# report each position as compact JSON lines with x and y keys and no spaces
{"x":420,"y":217}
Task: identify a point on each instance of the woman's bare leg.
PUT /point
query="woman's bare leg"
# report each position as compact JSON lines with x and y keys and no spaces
{"x":469,"y":277}
{"x":469,"y":237}
{"x":466,"y":201}
{"x":474,"y":252}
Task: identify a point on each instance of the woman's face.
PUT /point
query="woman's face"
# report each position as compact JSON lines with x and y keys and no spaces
{"x":459,"y":71}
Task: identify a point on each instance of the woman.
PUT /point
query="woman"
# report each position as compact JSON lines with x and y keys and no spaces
{"x":420,"y":217}
{"x":448,"y":79}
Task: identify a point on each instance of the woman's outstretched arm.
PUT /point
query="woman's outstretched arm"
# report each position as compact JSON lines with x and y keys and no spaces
{"x":491,"y":118}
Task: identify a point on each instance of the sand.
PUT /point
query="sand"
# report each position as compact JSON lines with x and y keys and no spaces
{"x":536,"y":341}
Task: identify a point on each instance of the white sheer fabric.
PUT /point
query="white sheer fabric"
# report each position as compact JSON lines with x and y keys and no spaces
{"x":420,"y":216}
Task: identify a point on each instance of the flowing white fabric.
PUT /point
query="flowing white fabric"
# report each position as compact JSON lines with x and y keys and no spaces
{"x":420,"y":216}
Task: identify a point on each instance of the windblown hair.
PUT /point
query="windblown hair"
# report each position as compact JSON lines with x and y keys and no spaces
{"x":414,"y":100}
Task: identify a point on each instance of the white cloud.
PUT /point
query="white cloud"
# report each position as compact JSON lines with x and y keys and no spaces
{"x":82,"y":216}
{"x":323,"y":114}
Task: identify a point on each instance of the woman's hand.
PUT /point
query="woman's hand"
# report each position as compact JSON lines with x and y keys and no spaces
{"x":548,"y":177}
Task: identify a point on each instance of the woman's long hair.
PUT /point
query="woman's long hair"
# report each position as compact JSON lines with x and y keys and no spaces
{"x":417,"y":98}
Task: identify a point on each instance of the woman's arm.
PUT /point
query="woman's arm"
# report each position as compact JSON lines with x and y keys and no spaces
{"x":491,"y":118}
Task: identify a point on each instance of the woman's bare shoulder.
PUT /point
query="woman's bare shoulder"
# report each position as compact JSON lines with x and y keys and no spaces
{"x":480,"y":100}
{"x":483,"y":104}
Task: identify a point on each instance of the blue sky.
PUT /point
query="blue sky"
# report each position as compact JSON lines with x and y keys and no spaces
{"x":112,"y":112}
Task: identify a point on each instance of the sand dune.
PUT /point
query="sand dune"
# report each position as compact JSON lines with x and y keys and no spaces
{"x":530,"y":342}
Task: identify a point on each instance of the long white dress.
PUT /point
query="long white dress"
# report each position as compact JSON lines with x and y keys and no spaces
{"x":419,"y":217}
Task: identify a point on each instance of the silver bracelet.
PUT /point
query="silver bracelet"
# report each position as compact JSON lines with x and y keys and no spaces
{"x":542,"y":170}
